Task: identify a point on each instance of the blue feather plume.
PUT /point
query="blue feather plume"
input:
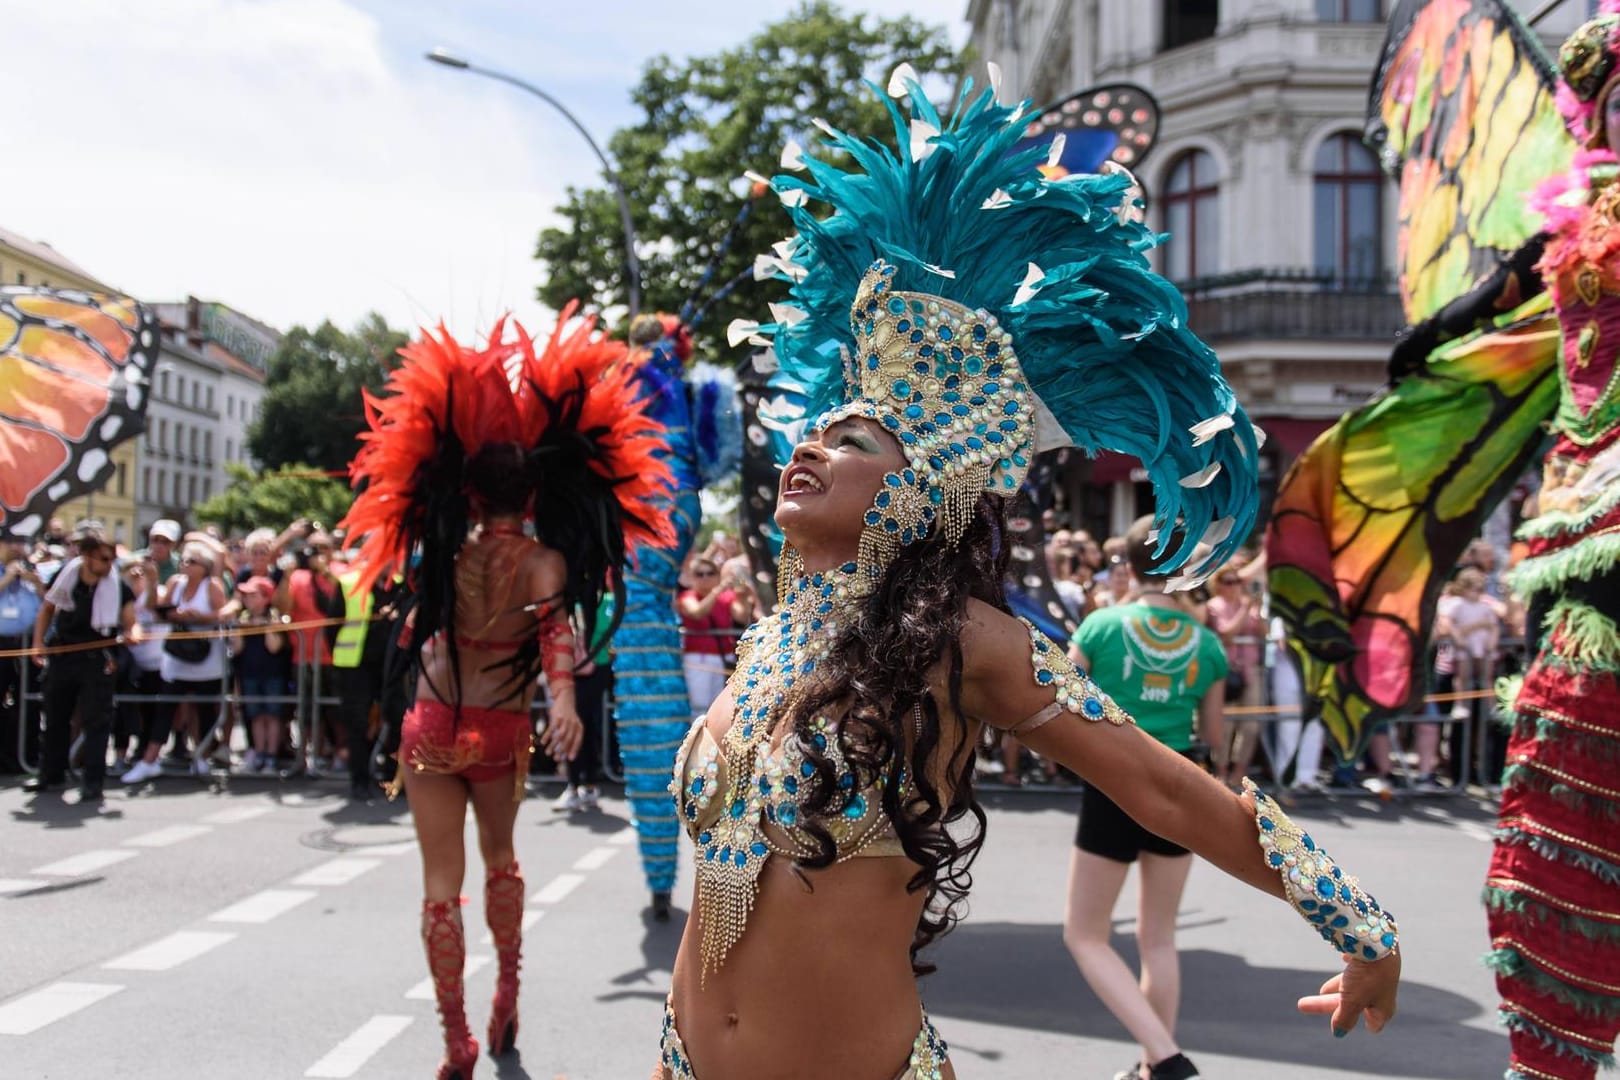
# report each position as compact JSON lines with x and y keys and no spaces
{"x":1061,"y":264}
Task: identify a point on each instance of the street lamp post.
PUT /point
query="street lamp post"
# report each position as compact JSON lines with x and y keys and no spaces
{"x":632,"y":264}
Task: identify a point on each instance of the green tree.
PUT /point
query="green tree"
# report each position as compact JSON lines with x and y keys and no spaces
{"x":312,"y":409}
{"x":707,"y":120}
{"x":275,"y":498}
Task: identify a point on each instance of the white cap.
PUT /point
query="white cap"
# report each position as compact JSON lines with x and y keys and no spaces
{"x":167,"y":528}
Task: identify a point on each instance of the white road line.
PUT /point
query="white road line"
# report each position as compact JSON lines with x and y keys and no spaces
{"x":529,"y":919}
{"x":170,"y":952}
{"x":87,"y":863}
{"x":262,"y":907}
{"x":337,"y":872}
{"x":48,"y":1004}
{"x":624,"y":836}
{"x":595,"y":858}
{"x":401,"y":848}
{"x":1477,"y":831}
{"x":17,"y":885}
{"x":172,"y":834}
{"x":236,"y":814}
{"x":557,"y":888}
{"x":423,"y":991}
{"x":348,"y":1056}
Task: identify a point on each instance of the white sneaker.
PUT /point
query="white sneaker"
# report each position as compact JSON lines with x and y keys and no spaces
{"x":1461,"y":711}
{"x":589,"y":798}
{"x":567,"y":802}
{"x":141,"y":772}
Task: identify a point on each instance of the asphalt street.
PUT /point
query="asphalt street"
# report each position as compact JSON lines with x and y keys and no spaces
{"x":255,"y":929}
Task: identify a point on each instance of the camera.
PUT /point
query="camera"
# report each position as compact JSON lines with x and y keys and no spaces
{"x":303,"y":556}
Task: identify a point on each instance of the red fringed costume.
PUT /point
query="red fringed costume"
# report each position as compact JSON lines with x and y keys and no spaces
{"x":1553,"y":888}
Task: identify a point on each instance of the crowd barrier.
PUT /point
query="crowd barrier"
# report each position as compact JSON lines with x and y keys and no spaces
{"x":313,"y":738}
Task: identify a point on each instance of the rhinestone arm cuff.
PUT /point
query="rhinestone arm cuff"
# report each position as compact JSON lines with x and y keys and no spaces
{"x":1075,"y":692}
{"x":1330,"y":900}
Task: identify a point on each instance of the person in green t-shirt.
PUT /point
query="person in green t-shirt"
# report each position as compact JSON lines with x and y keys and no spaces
{"x":1168,"y":671}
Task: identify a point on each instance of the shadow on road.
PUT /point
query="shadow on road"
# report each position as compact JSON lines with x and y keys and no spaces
{"x":1346,"y":809}
{"x":659,"y":940}
{"x":1022,"y":976}
{"x":50,"y":811}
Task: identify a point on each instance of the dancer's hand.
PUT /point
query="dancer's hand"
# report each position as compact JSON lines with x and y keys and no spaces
{"x":1363,"y":987}
{"x":563,"y":734}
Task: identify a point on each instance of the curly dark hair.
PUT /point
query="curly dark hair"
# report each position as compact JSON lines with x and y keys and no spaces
{"x":876,"y":676}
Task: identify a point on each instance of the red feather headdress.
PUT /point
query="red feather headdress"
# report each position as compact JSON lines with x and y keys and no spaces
{"x":569,"y":406}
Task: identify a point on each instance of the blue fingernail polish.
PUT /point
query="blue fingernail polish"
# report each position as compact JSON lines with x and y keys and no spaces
{"x":1339,"y":1032}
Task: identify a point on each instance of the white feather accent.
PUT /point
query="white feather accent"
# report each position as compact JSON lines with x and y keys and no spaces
{"x":788,"y":314}
{"x":1205,"y":430}
{"x":826,"y":128}
{"x":941,"y":271}
{"x":792,"y":157}
{"x":741,"y":330}
{"x":998,"y":198}
{"x":994,"y":70}
{"x":1202,"y":478}
{"x":922,"y":132}
{"x":765,"y":361}
{"x":765,"y":267}
{"x":1218,"y":530}
{"x":903,"y":75}
{"x":793,"y":197}
{"x":784,"y":248}
{"x":1027,"y":291}
{"x":1259,"y":438}
{"x":756,"y":178}
{"x":1054,"y":155}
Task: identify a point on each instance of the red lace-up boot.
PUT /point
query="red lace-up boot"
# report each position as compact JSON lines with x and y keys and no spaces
{"x":446,"y":945}
{"x":503,"y":910}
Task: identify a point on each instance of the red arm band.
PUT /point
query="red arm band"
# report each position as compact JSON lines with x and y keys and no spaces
{"x":556,"y":648}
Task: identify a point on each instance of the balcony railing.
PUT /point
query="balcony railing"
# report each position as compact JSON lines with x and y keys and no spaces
{"x":1293,"y":304}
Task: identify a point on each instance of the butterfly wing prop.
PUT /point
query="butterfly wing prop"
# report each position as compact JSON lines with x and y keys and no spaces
{"x":74,"y":372}
{"x":1463,"y":115}
{"x":1371,"y":519}
{"x":1118,"y":122}
{"x":1373,"y":516}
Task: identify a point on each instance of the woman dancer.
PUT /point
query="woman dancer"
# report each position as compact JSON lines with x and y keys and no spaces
{"x":468,"y":447}
{"x":825,"y":790}
{"x":1554,"y":880}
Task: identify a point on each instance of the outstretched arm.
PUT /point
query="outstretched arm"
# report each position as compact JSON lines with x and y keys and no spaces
{"x":1011,"y":683}
{"x":547,"y":578}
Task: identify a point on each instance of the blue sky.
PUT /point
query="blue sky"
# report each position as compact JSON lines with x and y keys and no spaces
{"x":297,"y":159}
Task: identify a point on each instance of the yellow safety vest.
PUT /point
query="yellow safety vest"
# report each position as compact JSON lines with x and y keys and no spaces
{"x":351,"y":637}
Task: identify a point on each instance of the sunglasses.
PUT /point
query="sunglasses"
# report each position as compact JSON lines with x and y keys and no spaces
{"x":1229,"y":581}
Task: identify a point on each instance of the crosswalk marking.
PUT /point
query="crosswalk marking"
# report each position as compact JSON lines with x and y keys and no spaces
{"x":262,"y":907}
{"x":9,"y":886}
{"x":170,"y":952}
{"x":595,"y":858}
{"x":171,"y":834}
{"x":557,"y":888}
{"x":236,"y":815}
{"x":624,"y":836}
{"x":27,"y":1014}
{"x":423,"y":991}
{"x":347,"y":1057}
{"x":339,"y":871}
{"x":401,"y":847}
{"x":86,"y":863}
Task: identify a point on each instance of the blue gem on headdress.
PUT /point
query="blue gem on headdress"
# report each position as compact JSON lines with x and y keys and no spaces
{"x":900,"y":389}
{"x":1093,"y":708}
{"x":914,"y":412}
{"x":882,"y":499}
{"x":945,"y":333}
{"x":873,"y":517}
{"x":979,"y":332}
{"x":891,"y":525}
{"x":897,"y":305}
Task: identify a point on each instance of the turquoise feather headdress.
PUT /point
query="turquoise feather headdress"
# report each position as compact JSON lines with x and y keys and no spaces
{"x":982,"y":312}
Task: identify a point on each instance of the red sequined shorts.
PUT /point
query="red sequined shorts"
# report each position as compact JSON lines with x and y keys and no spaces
{"x":478,"y":745}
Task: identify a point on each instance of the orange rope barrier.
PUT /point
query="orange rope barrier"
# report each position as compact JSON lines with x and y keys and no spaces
{"x":283,"y":627}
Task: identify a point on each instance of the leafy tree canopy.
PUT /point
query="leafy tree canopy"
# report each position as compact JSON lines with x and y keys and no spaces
{"x":709,"y":119}
{"x":275,"y":498}
{"x":312,"y":410}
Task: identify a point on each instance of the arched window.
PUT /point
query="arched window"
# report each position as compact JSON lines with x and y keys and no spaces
{"x":1192,"y":217}
{"x":1362,"y":11}
{"x":1348,"y":191}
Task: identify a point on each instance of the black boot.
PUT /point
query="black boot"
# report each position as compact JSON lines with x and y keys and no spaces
{"x":1177,"y":1067}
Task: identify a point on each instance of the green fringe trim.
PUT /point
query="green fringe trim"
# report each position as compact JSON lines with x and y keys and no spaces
{"x":1584,"y":560}
{"x":1602,"y":869}
{"x":1533,"y":910}
{"x":1507,"y":696}
{"x":1557,"y":1043}
{"x":1587,"y":637}
{"x":1581,"y":800}
{"x":1545,"y":729}
{"x":1508,"y":962}
{"x":1561,"y":522}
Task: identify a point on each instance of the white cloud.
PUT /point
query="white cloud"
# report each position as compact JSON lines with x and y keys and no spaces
{"x":299,"y":160}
